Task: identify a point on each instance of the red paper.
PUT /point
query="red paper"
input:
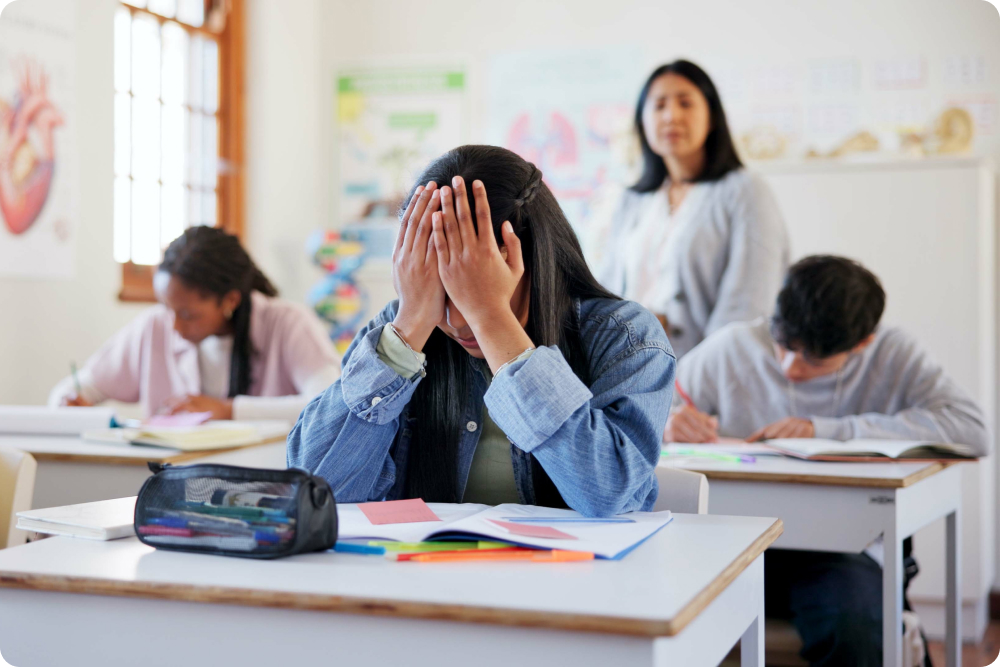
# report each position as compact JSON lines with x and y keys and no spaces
{"x":529,"y":530}
{"x":398,"y":511}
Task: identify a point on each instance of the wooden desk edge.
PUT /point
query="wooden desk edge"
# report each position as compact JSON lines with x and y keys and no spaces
{"x":179,"y":457}
{"x":714,"y":589}
{"x":614,"y":625}
{"x":823,"y":480}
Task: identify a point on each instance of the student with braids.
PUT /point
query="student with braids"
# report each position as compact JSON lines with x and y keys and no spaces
{"x":220,"y":342}
{"x":504,"y":372}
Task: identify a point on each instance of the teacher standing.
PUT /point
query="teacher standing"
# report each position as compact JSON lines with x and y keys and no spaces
{"x":698,"y":240}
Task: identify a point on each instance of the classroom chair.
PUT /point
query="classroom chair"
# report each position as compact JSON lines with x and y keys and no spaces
{"x":17,"y":485}
{"x":681,"y":491}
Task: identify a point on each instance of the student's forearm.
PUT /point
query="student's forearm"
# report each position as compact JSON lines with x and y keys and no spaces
{"x":501,"y":338}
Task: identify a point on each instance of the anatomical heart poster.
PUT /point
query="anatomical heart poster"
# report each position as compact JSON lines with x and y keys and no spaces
{"x":38,"y":160}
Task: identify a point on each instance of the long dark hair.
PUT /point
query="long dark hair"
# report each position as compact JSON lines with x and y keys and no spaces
{"x":211,"y":261}
{"x":558,"y":274}
{"x":720,"y":153}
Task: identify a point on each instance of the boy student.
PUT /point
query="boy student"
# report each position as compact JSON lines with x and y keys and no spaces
{"x":823,"y":368}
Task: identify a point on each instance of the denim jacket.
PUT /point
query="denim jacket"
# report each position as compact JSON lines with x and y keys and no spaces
{"x":599,"y":444}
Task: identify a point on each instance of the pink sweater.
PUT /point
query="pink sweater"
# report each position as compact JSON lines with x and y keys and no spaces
{"x":149,"y":363}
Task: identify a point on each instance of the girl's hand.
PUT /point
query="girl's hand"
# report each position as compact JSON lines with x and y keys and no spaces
{"x":220,"y":408}
{"x":689,"y":425}
{"x":479,"y":278}
{"x":415,"y":270}
{"x":790,"y":427}
{"x":76,"y":401}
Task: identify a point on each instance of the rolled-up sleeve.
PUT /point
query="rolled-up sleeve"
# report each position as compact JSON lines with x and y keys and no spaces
{"x":599,"y":445}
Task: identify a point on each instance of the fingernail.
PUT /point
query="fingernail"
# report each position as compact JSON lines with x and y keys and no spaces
{"x":509,"y":227}
{"x":419,"y":189}
{"x":455,"y":181}
{"x":477,"y":184}
{"x":436,"y":193}
{"x":436,"y":218}
{"x":431,"y":184}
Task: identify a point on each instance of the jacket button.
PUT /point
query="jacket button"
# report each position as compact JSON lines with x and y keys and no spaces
{"x":376,"y":401}
{"x":471,"y":427}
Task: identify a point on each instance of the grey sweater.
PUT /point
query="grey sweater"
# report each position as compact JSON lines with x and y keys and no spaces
{"x":890,"y":390}
{"x":726,"y":264}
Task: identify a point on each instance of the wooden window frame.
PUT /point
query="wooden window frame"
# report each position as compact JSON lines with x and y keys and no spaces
{"x":137,"y":279}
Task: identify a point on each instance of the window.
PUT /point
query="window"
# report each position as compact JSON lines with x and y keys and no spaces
{"x":178,"y":128}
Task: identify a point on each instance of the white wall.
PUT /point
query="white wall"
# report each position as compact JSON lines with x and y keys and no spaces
{"x":44,"y":324}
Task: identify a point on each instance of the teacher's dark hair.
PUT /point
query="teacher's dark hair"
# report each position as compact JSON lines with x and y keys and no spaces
{"x":720,"y":153}
{"x":213,"y":262}
{"x":558,"y":274}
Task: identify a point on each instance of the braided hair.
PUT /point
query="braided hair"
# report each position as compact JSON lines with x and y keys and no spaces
{"x":211,"y":261}
{"x":557,"y":274}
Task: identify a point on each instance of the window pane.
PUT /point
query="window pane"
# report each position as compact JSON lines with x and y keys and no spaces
{"x":146,"y":139}
{"x":174,"y":142}
{"x":191,"y":12}
{"x":194,"y":208}
{"x":195,"y":162}
{"x":123,"y":220}
{"x":175,"y":51}
{"x":174,"y":210}
{"x":210,"y":153}
{"x":123,"y":133}
{"x":195,"y":93}
{"x":163,"y":7}
{"x":123,"y":53}
{"x":208,"y":205}
{"x":145,"y":57}
{"x":145,"y":222}
{"x":211,"y":76}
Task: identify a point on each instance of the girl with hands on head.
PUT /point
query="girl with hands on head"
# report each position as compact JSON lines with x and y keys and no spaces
{"x":504,"y":372}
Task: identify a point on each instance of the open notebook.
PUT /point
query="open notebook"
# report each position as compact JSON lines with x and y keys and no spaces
{"x":210,"y":435}
{"x":470,"y":521}
{"x":816,"y":449}
{"x":101,"y":520}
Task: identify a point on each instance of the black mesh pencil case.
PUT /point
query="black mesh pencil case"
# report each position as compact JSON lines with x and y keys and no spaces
{"x":234,"y":511}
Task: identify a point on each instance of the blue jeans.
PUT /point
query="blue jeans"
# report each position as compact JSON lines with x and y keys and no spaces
{"x":834,"y":600}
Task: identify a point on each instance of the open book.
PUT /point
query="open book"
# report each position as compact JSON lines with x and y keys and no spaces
{"x":101,"y":520}
{"x":816,"y":449}
{"x":210,"y":435}
{"x":470,"y":521}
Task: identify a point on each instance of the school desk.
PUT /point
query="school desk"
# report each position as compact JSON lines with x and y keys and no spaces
{"x":843,"y":507}
{"x":683,"y":597}
{"x":72,"y":470}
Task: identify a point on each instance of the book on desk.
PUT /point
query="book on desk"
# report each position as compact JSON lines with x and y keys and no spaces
{"x":208,"y":436}
{"x":817,"y":449}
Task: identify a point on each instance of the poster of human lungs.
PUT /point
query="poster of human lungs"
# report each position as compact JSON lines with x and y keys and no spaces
{"x":38,"y":160}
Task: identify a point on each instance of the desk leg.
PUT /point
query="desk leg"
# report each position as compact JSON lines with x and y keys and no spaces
{"x":892,"y":594}
{"x":953,"y":595}
{"x":752,"y":641}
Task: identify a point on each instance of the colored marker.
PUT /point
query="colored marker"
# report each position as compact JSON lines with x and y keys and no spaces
{"x":437,"y":546}
{"x":566,"y":519}
{"x":717,"y":456}
{"x":553,"y":556}
{"x":348,"y":548}
{"x":508,"y":549}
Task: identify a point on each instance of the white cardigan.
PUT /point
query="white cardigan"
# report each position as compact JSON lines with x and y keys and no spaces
{"x":724,"y":260}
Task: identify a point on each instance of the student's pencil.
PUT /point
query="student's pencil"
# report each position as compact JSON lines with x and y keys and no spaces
{"x":683,"y":394}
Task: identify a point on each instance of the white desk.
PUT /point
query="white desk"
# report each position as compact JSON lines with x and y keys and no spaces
{"x":71,"y":470}
{"x":842,"y":507}
{"x":684,"y":597}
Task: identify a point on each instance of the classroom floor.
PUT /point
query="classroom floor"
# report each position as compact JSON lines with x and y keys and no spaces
{"x":978,"y":655}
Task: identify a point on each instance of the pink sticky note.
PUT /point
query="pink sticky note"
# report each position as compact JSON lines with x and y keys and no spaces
{"x":180,"y":419}
{"x":398,"y":511}
{"x":533,"y":531}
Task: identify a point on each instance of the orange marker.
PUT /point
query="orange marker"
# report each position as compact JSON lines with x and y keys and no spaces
{"x":553,"y":556}
{"x":413,"y":554}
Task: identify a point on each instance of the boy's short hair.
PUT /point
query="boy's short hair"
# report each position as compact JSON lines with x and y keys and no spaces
{"x":826,"y":306}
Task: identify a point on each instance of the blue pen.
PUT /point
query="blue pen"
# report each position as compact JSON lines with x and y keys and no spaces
{"x":348,"y":548}
{"x":565,"y":519}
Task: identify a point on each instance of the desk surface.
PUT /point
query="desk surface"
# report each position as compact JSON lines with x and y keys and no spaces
{"x":655,"y":591}
{"x":74,"y":449}
{"x":780,"y":469}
